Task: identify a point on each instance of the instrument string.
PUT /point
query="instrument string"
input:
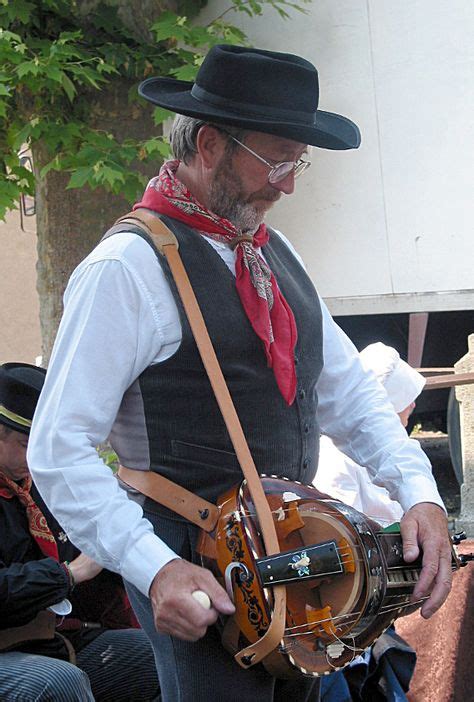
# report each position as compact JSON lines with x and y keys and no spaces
{"x":289,"y":647}
{"x":387,"y":609}
{"x":352,"y":545}
{"x":322,"y":621}
{"x":339,"y":549}
{"x":337,"y":517}
{"x":349,"y":557}
{"x":346,"y":557}
{"x":407,"y":605}
{"x":333,"y":511}
{"x":355,"y":649}
{"x":383,"y":521}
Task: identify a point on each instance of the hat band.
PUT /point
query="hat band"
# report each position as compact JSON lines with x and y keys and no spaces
{"x":14,"y":417}
{"x":256,"y":111}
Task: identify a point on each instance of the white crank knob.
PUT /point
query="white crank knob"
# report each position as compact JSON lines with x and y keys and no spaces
{"x":202,"y":598}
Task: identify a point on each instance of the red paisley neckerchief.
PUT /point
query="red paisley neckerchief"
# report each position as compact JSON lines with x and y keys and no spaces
{"x":267,"y":310}
{"x":37,"y":524}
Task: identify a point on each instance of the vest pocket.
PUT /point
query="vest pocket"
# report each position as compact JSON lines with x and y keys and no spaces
{"x":195,"y":453}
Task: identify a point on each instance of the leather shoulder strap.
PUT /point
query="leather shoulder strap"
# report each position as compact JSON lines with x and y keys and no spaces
{"x":156,"y":229}
{"x":166,"y":243}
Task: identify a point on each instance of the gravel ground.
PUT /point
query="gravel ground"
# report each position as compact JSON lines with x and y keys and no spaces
{"x":444,"y":643}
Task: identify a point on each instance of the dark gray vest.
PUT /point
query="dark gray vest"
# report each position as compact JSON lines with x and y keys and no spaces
{"x":172,"y":408}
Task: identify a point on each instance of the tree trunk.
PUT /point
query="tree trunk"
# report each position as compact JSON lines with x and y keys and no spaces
{"x":71,"y":222}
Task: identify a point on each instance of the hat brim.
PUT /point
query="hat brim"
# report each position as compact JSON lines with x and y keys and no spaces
{"x":331,"y":131}
{"x":13,"y":425}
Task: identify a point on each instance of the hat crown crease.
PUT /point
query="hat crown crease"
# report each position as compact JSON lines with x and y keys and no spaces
{"x":251,"y":109}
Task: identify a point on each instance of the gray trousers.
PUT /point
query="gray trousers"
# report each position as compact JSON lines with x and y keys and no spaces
{"x":204,"y":671}
{"x":117,"y":666}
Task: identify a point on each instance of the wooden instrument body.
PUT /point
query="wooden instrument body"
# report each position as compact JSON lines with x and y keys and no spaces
{"x":337,"y":605}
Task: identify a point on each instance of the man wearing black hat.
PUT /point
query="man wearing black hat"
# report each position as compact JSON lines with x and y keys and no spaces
{"x":125,"y":365}
{"x":43,"y":578}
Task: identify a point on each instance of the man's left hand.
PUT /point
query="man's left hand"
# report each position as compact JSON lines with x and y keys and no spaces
{"x":425,"y":527}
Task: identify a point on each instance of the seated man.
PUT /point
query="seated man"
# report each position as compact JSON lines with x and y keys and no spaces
{"x":43,"y":577}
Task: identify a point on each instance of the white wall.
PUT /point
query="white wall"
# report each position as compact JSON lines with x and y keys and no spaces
{"x":396,"y":215}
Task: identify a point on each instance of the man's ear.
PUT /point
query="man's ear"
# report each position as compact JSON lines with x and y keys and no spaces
{"x":210,"y":144}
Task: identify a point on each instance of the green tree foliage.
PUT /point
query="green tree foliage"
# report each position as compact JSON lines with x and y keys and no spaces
{"x":56,"y":54}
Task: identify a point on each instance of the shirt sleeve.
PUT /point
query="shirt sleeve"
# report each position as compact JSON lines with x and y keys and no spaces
{"x":112,"y":329}
{"x":28,"y":588}
{"x":355,"y":412}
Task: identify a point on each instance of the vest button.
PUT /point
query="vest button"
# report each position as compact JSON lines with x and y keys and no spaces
{"x":305,"y":463}
{"x":306,"y":428}
{"x":301,"y":394}
{"x":296,"y":360}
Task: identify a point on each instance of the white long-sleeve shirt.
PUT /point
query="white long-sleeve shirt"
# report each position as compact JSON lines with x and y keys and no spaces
{"x":119,"y":318}
{"x":342,"y":478}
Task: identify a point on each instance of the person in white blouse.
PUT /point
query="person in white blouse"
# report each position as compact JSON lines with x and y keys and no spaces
{"x":342,"y":478}
{"x":125,"y":365}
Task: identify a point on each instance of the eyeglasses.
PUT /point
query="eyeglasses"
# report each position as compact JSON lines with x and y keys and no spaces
{"x":281,"y":170}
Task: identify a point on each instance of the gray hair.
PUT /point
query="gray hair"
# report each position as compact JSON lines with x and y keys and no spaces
{"x":184,"y":135}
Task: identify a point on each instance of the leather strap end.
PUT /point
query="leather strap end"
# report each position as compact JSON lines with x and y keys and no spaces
{"x":256,"y":652}
{"x":158,"y":488}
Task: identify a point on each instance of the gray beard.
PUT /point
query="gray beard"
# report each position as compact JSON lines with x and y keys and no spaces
{"x":224,"y":198}
{"x":243,"y":216}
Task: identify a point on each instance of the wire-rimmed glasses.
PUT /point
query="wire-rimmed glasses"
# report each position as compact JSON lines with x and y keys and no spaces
{"x":279,"y":171}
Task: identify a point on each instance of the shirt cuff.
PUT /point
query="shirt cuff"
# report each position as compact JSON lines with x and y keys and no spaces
{"x":143,"y":561}
{"x":408,"y":495}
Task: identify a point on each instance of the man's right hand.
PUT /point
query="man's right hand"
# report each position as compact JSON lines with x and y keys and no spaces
{"x":83,"y":568}
{"x":175,"y":610}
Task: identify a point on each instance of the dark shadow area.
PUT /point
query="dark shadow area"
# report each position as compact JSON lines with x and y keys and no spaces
{"x":436,"y":446}
{"x":445,"y":344}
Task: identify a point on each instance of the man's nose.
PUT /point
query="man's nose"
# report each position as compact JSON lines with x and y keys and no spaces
{"x":286,"y":185}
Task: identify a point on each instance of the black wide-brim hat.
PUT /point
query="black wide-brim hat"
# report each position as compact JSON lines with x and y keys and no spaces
{"x":20,"y":388}
{"x":263,"y":91}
